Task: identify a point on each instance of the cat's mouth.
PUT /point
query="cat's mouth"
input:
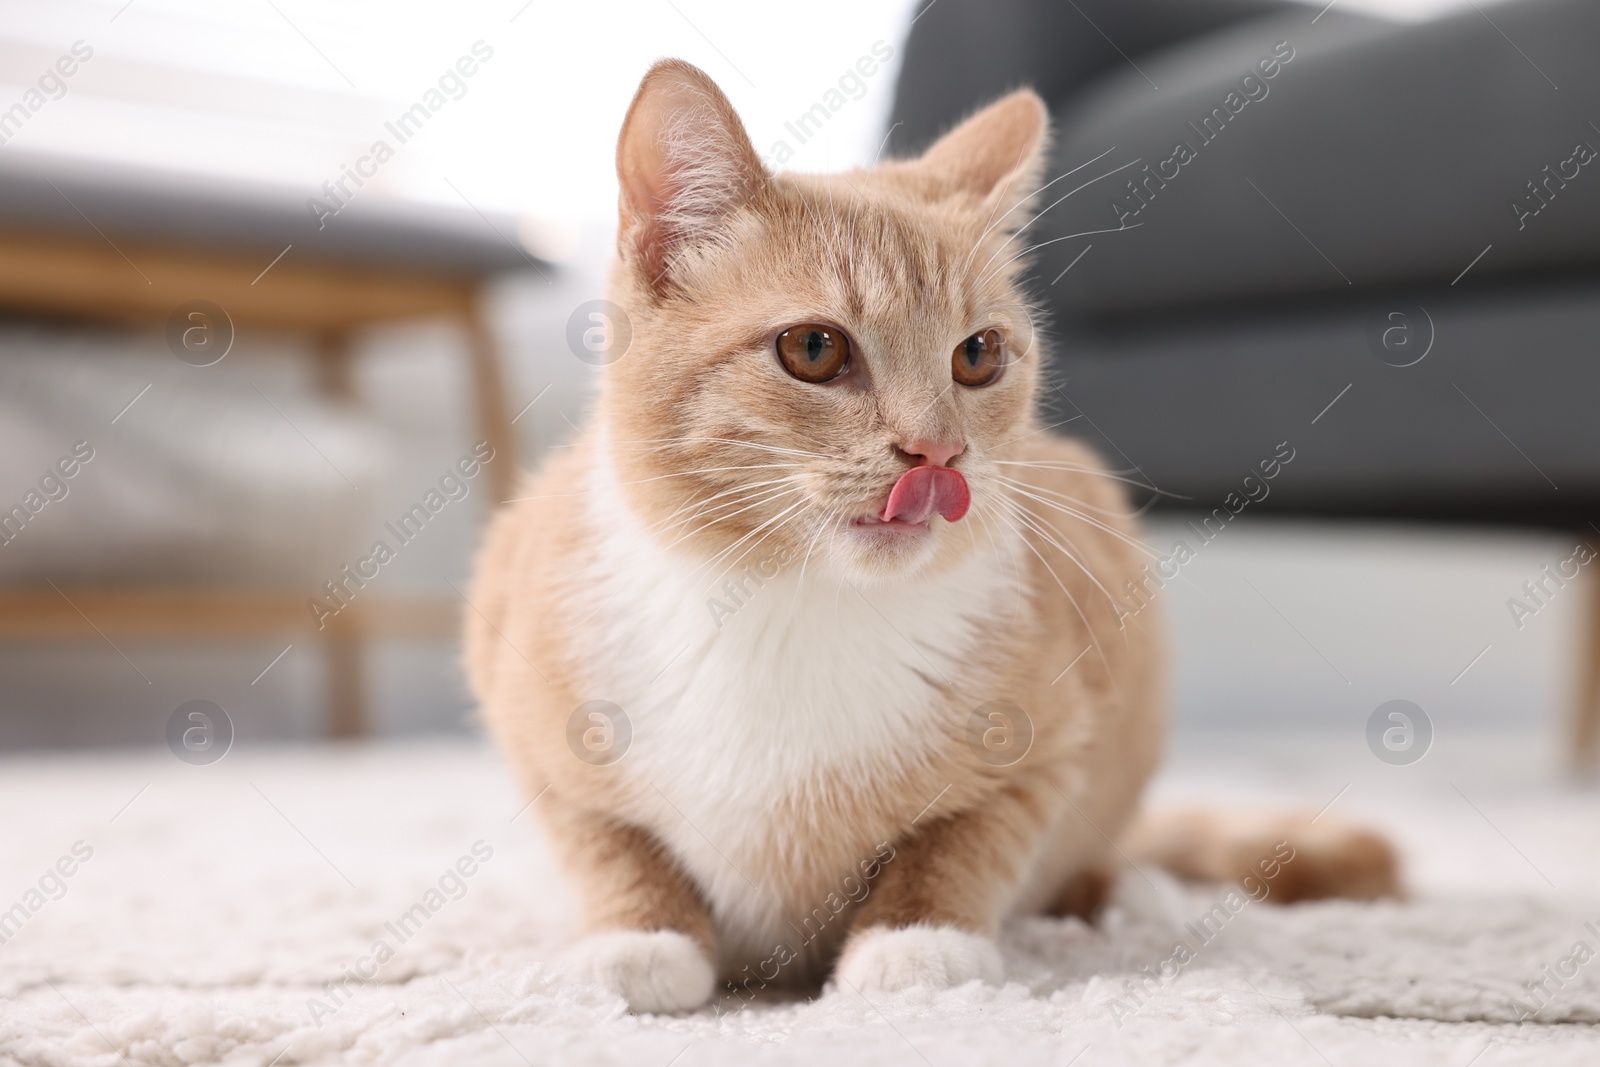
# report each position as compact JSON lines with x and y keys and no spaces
{"x":878,"y":522}
{"x":918,"y":495}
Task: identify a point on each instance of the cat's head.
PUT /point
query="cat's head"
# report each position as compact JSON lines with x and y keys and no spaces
{"x":801,"y":342}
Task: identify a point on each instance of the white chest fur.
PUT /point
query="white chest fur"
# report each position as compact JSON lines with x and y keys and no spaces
{"x":742,"y":704}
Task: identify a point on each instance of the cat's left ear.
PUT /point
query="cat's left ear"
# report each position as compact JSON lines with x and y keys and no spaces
{"x":684,"y":163}
{"x":1000,"y":151}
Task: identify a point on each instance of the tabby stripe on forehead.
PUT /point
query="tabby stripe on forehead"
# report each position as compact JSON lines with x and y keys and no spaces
{"x":898,"y":268}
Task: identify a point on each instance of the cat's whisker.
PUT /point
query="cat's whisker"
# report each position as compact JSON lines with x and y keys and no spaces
{"x":990,"y":222}
{"x":1066,"y":497}
{"x":1030,"y":309}
{"x":885,"y":143}
{"x":1066,"y":465}
{"x":656,"y":528}
{"x":710,"y":470}
{"x":1062,"y":502}
{"x":1096,"y":523}
{"x":1094,"y":638}
{"x":1067,"y":196}
{"x":986,"y":514}
{"x":1016,"y":570}
{"x":1039,"y":430}
{"x":735,"y":489}
{"x":1125,"y":513}
{"x":656,"y":478}
{"x":749,"y":497}
{"x":705,"y":519}
{"x":787,"y":516}
{"x":1143,"y":509}
{"x":1039,"y":527}
{"x":771,"y":497}
{"x":983,"y":271}
{"x":1113,"y":475}
{"x":972,"y":537}
{"x":699,"y":522}
{"x":1065,"y":237}
{"x":641,"y":442}
{"x":714,"y":560}
{"x":1031,"y":522}
{"x":693,"y":509}
{"x":1042,"y":528}
{"x":850,"y":245}
{"x":989,"y":228}
{"x":706,"y":566}
{"x":823,"y":524}
{"x":765,"y":498}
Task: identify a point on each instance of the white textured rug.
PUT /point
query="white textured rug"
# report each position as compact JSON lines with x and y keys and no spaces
{"x":219,"y":901}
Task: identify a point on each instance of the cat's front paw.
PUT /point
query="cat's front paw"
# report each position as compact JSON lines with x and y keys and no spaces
{"x":654,"y":971}
{"x":881,"y":959}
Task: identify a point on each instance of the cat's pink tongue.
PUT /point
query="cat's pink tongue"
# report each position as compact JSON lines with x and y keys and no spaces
{"x":924,"y":491}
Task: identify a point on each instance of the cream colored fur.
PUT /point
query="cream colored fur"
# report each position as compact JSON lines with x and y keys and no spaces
{"x":801,"y":779}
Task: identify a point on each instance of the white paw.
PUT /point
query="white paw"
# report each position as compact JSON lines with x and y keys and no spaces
{"x":1154,"y":897}
{"x":884,"y":960}
{"x":655,"y":971}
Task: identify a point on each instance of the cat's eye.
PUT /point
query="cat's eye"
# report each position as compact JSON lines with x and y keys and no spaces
{"x":814,"y":352}
{"x":979,"y":359}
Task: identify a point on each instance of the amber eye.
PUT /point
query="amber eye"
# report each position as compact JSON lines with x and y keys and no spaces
{"x":979,"y":359}
{"x":813,"y":352}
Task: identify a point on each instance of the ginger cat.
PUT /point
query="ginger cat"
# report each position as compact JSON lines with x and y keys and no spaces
{"x":847,"y":603}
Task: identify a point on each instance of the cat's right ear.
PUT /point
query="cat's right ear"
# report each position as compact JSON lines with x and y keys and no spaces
{"x":1000,"y":148}
{"x":684,"y":163}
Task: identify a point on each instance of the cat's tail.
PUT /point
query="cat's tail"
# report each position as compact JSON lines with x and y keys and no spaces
{"x":1285,"y":856}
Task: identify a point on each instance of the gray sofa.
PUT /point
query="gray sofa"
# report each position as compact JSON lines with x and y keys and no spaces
{"x":1396,"y":220}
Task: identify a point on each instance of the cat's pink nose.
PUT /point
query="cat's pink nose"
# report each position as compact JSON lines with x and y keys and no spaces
{"x":933,"y":453}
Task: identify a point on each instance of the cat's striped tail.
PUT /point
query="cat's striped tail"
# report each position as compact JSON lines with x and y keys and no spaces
{"x":1285,"y":856}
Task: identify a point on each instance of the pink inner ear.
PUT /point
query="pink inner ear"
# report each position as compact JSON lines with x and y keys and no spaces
{"x":925,"y":491}
{"x":684,"y":163}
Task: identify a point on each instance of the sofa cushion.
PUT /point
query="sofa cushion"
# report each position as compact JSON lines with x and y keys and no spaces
{"x":1374,"y":154}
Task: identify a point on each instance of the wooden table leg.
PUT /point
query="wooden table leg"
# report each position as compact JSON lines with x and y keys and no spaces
{"x":335,"y":377}
{"x":489,"y":389}
{"x":1585,"y":739}
{"x":347,"y":684}
{"x":346,"y":690}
